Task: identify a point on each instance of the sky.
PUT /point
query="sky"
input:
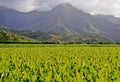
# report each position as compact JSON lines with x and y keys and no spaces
{"x":107,"y":7}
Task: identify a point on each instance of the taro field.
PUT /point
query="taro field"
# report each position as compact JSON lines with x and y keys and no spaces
{"x":59,"y":63}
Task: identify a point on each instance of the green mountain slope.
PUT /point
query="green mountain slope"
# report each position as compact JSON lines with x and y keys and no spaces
{"x":7,"y":36}
{"x":55,"y":37}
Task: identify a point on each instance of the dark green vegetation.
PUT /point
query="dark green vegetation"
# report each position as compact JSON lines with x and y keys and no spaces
{"x":56,"y":45}
{"x":59,"y":63}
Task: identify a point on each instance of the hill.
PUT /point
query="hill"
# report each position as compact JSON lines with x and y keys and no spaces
{"x":7,"y":36}
{"x":55,"y":37}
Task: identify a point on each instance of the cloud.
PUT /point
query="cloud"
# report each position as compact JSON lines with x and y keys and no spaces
{"x":19,"y":5}
{"x":85,"y":5}
{"x":108,"y":7}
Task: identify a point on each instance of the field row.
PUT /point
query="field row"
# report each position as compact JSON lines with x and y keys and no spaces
{"x":60,"y":64}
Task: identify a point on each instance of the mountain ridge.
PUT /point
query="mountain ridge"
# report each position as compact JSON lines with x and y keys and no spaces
{"x":63,"y":20}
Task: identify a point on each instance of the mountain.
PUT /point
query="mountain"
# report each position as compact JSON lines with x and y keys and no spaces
{"x":7,"y":36}
{"x":115,"y":34}
{"x":109,"y":18}
{"x":61,"y":23}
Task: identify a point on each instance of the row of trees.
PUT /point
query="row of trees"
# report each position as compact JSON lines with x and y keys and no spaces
{"x":58,"y":42}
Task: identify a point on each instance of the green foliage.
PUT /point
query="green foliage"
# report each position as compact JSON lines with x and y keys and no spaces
{"x":7,"y":36}
{"x":59,"y":63}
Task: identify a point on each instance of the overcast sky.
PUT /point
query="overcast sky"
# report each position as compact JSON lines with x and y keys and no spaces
{"x":108,"y":7}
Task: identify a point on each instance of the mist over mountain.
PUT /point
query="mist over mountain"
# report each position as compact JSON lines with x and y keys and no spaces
{"x":64,"y":20}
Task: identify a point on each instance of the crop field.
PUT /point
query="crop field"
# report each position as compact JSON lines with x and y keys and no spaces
{"x":59,"y":63}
